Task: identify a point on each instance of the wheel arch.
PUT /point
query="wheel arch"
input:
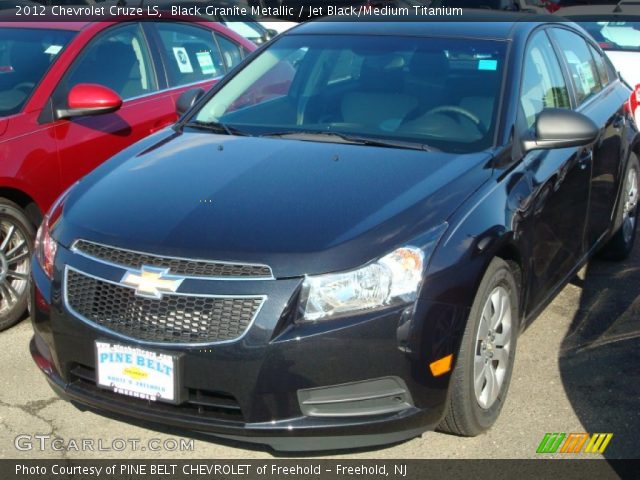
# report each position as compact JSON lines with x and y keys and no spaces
{"x":25,"y":201}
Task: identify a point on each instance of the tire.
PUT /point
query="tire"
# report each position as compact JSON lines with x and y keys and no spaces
{"x":621,"y":243}
{"x":16,"y":246}
{"x":470,"y":413}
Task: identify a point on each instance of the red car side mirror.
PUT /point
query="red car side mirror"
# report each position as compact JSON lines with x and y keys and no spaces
{"x":89,"y":99}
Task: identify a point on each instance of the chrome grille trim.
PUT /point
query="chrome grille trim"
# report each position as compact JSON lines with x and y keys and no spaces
{"x":163,"y":261}
{"x":114,"y":333}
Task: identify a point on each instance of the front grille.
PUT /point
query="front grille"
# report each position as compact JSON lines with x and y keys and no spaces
{"x":172,"y":319}
{"x":177,"y":266}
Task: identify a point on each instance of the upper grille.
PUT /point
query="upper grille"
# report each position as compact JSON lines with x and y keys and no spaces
{"x":172,"y":319}
{"x":177,"y":266}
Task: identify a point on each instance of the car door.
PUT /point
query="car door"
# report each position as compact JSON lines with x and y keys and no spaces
{"x":597,"y":98}
{"x":118,"y":58}
{"x":560,"y":178}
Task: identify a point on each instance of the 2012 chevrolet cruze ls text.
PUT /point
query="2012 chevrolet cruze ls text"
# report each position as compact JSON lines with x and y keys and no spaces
{"x":339,"y":244}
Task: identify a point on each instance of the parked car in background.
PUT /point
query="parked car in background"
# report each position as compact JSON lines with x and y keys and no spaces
{"x":634,"y":104}
{"x":339,"y":244}
{"x":74,"y":94}
{"x":244,"y":25}
{"x":277,"y":25}
{"x":616,"y":28}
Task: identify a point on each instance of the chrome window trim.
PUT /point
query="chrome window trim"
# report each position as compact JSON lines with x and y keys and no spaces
{"x":75,"y":250}
{"x":108,"y":331}
{"x":161,"y":91}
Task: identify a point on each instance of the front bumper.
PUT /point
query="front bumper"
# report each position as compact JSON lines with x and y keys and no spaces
{"x":255,"y":389}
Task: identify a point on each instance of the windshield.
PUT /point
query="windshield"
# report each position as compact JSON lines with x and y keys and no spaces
{"x":440,"y":92}
{"x":615,"y":35}
{"x":25,"y":56}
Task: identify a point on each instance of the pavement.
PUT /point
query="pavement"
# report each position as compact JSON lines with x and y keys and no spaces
{"x":577,"y":369}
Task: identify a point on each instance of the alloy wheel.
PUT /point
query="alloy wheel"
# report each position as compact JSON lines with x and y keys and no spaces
{"x":14,"y":265}
{"x":631,"y":201}
{"x":493,"y":344}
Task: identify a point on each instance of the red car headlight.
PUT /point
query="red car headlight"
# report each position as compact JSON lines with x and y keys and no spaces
{"x":45,"y":245}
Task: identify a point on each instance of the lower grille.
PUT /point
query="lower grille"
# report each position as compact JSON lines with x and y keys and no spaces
{"x":172,"y":319}
{"x":220,"y":406}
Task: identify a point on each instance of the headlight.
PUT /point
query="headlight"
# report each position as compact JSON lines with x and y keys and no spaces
{"x":393,"y":279}
{"x":45,"y":246}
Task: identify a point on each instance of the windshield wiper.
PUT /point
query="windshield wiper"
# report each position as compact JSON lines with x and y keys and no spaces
{"x":347,"y":138}
{"x":217,"y":127}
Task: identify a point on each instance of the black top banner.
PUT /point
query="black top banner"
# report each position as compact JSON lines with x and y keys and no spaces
{"x":304,"y":10}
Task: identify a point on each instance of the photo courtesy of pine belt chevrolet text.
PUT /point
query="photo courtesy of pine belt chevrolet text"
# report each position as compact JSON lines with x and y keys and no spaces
{"x":339,"y":243}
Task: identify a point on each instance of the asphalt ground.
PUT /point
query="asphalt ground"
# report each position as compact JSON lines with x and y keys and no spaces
{"x":577,"y":370}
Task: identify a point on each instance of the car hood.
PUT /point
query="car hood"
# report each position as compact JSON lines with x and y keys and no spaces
{"x":300,"y":207}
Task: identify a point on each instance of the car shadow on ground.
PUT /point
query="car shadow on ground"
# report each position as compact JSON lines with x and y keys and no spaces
{"x":600,"y":355}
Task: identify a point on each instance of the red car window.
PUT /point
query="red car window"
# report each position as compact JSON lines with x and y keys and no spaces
{"x":117,"y":59}
{"x":191,"y":54}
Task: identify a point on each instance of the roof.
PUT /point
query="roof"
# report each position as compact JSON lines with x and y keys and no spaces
{"x":75,"y":26}
{"x":472,"y":24}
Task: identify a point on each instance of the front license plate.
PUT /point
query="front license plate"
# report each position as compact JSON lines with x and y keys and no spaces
{"x":136,"y":372}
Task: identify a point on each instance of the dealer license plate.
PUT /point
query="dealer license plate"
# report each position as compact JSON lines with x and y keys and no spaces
{"x":136,"y":372}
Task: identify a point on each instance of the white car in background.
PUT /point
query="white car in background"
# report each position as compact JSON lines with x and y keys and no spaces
{"x":277,"y":25}
{"x":616,"y":28}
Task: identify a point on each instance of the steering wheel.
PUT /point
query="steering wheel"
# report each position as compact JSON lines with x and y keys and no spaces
{"x":460,"y":111}
{"x":25,"y":86}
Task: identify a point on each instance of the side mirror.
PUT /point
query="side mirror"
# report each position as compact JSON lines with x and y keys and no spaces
{"x":561,"y":128}
{"x":188,"y":99}
{"x":89,"y":99}
{"x":272,"y":33}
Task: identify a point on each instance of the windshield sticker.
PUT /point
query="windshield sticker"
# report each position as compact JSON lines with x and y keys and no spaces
{"x":206,"y":63}
{"x":184,"y":64}
{"x":486,"y":64}
{"x":53,"y":49}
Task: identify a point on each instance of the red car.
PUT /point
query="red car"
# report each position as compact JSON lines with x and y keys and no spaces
{"x":74,"y":94}
{"x":634,"y":104}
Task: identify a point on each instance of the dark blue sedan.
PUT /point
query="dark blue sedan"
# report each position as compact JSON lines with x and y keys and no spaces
{"x":340,"y":243}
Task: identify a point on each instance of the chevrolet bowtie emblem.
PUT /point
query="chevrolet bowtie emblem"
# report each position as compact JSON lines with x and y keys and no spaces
{"x":151,"y":282}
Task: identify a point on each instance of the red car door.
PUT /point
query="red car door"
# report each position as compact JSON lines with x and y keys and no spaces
{"x":118,"y":58}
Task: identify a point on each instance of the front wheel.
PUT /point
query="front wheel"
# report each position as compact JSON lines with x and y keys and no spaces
{"x":621,"y":243}
{"x":481,"y":377}
{"x":16,"y":244}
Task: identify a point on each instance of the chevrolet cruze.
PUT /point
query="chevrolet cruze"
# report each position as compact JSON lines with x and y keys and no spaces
{"x":340,"y":243}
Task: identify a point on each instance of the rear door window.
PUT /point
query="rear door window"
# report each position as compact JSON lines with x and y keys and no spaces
{"x":190,"y":53}
{"x":231,"y":51}
{"x":581,"y":65}
{"x":601,"y":66}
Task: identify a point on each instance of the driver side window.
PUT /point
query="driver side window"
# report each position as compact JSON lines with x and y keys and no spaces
{"x":543,"y":85}
{"x":117,"y":59}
